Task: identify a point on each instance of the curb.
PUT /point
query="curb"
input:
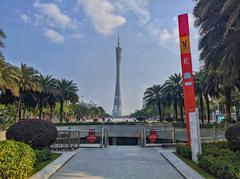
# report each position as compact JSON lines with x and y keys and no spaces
{"x":53,"y":167}
{"x":185,"y":170}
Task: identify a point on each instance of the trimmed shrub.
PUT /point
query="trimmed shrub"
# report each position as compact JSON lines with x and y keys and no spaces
{"x":16,"y":159}
{"x":37,"y":133}
{"x":220,"y":151}
{"x":42,"y":155}
{"x":219,"y":160}
{"x":233,"y":137}
{"x":218,"y":167}
{"x":184,"y":151}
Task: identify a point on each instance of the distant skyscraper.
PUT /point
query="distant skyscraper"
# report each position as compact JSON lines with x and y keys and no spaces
{"x":117,"y":106}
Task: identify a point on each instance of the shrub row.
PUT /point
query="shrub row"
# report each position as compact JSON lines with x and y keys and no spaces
{"x":184,"y":151}
{"x":233,"y":136}
{"x":42,"y":155}
{"x":99,"y":123}
{"x":218,"y":167}
{"x":219,"y":160}
{"x":16,"y":159}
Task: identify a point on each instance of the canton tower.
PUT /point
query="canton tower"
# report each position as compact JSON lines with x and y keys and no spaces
{"x":117,"y":106}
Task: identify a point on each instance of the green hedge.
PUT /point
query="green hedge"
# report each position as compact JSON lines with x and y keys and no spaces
{"x":220,"y":161}
{"x":218,"y":167}
{"x":16,"y":159}
{"x":42,"y":155}
{"x":233,"y":136}
{"x":180,"y":125}
{"x":99,"y":123}
{"x":217,"y":159}
{"x":205,"y":126}
{"x":184,"y":151}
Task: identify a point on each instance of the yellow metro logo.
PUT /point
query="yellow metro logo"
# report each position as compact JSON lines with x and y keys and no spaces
{"x":185,"y":45}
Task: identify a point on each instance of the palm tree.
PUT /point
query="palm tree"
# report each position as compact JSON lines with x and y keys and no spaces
{"x":47,"y":86}
{"x":27,"y":81}
{"x":175,"y":91}
{"x":212,"y":81}
{"x":219,"y":42}
{"x":52,"y":101}
{"x":199,"y":87}
{"x":66,"y":91}
{"x":8,"y":77}
{"x":154,"y":96}
{"x":2,"y":36}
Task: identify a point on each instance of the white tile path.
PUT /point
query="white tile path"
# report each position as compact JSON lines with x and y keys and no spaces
{"x":118,"y":162}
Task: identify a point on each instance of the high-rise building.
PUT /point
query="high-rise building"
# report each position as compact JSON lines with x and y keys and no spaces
{"x":117,"y":106}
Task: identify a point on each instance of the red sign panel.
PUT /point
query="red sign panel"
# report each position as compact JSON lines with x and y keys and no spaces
{"x":187,"y":74}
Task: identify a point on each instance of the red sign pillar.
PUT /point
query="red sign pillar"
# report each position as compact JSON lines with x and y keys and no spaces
{"x":187,"y":74}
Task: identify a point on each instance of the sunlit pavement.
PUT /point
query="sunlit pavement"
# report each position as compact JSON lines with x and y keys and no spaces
{"x":118,"y":162}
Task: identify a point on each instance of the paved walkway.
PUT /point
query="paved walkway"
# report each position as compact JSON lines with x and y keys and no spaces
{"x":117,"y":162}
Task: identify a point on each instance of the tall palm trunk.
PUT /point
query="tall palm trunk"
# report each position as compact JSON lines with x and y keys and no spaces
{"x":237,"y":111}
{"x":181,"y":103}
{"x":61,"y":110}
{"x":201,"y":108}
{"x":160,"y":110}
{"x":175,"y":110}
{"x":40,"y":107}
{"x":40,"y":111}
{"x":228,"y":99}
{"x":18,"y":111}
{"x":181,"y":111}
{"x":208,"y":107}
{"x":51,"y":112}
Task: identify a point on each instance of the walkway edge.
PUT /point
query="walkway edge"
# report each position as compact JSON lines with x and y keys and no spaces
{"x":53,"y":167}
{"x":180,"y":166}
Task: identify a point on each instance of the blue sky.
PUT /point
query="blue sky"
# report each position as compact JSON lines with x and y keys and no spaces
{"x":76,"y":39}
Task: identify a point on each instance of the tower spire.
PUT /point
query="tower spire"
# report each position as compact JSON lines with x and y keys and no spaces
{"x":117,"y":106}
{"x":118,"y":40}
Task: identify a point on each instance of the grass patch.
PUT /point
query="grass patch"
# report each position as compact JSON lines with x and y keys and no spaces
{"x":196,"y":167}
{"x":41,"y":165}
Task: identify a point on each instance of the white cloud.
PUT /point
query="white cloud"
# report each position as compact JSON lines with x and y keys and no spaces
{"x":56,"y":24}
{"x":103,"y":15}
{"x":138,"y":7}
{"x":108,"y":15}
{"x":53,"y":35}
{"x":52,"y":15}
{"x":169,"y":37}
{"x":76,"y":36}
{"x":25,"y":18}
{"x":58,"y":1}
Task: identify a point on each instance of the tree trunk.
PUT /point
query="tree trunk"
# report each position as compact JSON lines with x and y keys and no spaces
{"x":40,"y":111}
{"x":51,"y":112}
{"x":181,"y":111}
{"x":24,"y":112}
{"x":61,"y":110}
{"x":208,"y":108}
{"x":175,"y":110}
{"x":18,"y":112}
{"x":237,"y":110}
{"x":201,"y":108}
{"x":228,"y":101}
{"x":159,"y":110}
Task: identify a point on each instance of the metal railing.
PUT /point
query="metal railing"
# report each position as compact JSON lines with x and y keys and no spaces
{"x":71,"y":139}
{"x":167,"y":136}
{"x":163,"y":136}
